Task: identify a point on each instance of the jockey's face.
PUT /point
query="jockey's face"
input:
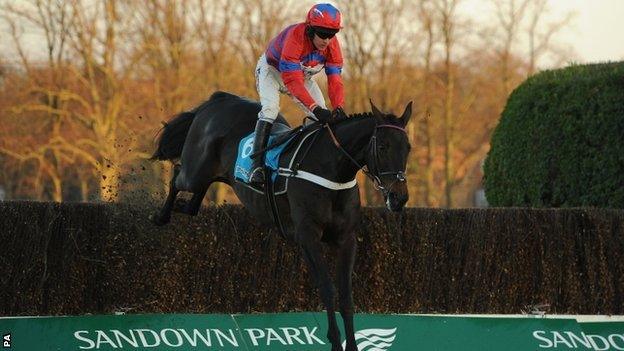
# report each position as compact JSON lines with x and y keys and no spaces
{"x":320,"y":43}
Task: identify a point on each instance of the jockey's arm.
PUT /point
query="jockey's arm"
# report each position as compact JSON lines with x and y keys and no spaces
{"x":333,"y":70}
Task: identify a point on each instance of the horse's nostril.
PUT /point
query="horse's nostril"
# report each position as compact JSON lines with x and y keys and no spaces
{"x":396,"y":200}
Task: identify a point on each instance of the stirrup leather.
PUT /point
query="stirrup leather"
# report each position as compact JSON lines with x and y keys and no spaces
{"x":257,"y":175}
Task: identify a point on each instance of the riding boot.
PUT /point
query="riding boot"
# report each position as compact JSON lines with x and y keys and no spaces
{"x":263,"y":130}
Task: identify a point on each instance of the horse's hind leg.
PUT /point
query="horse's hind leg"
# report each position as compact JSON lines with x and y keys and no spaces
{"x":198,"y":175}
{"x":164,"y":215}
{"x":192,"y":206}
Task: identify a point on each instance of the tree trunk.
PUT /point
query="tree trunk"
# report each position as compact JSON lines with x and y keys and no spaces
{"x":57,"y":195}
{"x":84,"y":190}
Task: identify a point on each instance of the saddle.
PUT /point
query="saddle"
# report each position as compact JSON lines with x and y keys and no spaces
{"x":279,"y":140}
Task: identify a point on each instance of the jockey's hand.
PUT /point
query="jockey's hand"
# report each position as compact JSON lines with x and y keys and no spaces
{"x":322,"y":115}
{"x":338,"y":113}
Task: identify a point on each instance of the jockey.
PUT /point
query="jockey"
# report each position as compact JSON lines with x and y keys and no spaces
{"x":296,"y":54}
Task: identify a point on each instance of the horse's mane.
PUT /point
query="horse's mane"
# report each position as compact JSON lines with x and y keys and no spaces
{"x":388,"y":118}
{"x":352,"y":117}
{"x":361,"y":115}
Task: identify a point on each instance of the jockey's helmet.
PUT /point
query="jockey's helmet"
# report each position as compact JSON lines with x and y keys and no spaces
{"x":324,"y":16}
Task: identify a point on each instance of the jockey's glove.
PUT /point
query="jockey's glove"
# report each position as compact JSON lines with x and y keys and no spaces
{"x":322,"y":115}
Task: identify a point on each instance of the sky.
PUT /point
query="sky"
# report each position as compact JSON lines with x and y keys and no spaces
{"x":597,"y":31}
{"x":595,"y":34}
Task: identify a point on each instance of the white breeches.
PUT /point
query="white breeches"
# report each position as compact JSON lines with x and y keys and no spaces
{"x":269,"y":85}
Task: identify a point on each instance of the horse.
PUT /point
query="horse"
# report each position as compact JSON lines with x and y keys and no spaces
{"x":205,"y":140}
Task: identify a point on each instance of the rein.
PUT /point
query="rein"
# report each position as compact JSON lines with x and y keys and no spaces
{"x":375,"y":178}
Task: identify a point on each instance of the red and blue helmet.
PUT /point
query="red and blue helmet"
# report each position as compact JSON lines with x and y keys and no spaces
{"x":324,"y":16}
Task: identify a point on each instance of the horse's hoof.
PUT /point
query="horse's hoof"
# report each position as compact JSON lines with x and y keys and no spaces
{"x":158,"y":220}
{"x":337,"y":348}
{"x":180,"y":206}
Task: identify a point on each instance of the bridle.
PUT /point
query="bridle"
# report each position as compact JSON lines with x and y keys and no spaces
{"x":375,"y":173}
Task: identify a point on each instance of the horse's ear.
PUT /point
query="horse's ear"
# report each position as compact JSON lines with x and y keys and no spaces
{"x":407,"y":114}
{"x":375,"y":110}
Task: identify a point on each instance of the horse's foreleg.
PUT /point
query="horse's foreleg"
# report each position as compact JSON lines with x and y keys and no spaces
{"x":346,"y":260}
{"x":164,"y":215}
{"x":318,"y":269}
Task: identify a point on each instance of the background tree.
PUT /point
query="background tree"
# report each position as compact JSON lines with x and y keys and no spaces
{"x":446,"y":11}
{"x":79,"y":116}
{"x":509,"y":16}
{"x":541,"y":34}
{"x":45,"y":88}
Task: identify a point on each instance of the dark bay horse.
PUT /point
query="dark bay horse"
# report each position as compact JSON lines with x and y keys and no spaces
{"x":205,"y":141}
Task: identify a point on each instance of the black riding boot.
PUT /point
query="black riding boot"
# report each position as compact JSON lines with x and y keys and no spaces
{"x":263,"y":130}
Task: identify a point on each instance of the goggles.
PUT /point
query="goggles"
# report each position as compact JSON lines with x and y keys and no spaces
{"x":324,"y":33}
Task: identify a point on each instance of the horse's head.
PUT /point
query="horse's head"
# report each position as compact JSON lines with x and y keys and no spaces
{"x":387,"y":156}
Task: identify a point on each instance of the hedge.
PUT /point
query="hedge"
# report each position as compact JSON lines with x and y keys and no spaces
{"x":72,"y":259}
{"x":560,"y":141}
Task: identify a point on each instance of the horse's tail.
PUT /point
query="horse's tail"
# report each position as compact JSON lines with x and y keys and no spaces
{"x":172,"y":136}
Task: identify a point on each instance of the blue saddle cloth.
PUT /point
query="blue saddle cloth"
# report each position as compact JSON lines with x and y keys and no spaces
{"x":242,"y":169}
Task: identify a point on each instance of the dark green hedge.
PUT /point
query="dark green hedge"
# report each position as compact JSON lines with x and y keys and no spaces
{"x":560,"y":141}
{"x":99,"y":258}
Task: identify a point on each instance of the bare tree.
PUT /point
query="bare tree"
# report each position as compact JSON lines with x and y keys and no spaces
{"x":51,"y":19}
{"x":258,"y":21}
{"x":162,"y":48}
{"x":99,"y":97}
{"x":164,"y":41}
{"x":426,"y":15}
{"x":509,"y":14}
{"x":374,"y":39}
{"x":215,"y":32}
{"x":446,"y":13}
{"x":81,"y":89}
{"x":540,"y":34}
{"x":358,"y":49}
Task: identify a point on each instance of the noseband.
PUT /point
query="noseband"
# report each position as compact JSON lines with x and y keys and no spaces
{"x":375,"y":174}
